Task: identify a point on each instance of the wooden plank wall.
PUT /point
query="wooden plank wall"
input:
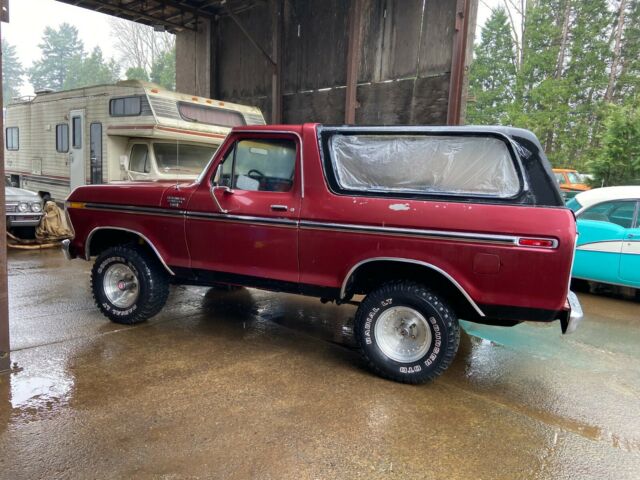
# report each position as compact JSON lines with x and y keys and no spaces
{"x":404,"y":69}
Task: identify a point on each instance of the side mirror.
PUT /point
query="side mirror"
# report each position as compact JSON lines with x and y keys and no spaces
{"x":226,"y":190}
{"x":124,"y":162}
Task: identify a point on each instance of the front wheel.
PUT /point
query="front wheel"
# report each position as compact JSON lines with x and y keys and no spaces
{"x":129,"y":285}
{"x":407,"y":333}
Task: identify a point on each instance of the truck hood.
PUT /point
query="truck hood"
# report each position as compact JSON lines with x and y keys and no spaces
{"x":142,"y":193}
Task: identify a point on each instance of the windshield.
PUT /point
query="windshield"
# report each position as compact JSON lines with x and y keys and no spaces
{"x":183,"y":158}
{"x":574,"y":205}
{"x":574,"y":177}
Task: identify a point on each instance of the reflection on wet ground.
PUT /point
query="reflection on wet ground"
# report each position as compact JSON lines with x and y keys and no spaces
{"x":252,"y":384}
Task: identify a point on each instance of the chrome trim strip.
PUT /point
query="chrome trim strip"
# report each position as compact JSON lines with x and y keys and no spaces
{"x":415,"y":262}
{"x":313,"y":225}
{"x":242,"y":218}
{"x":87,"y":244}
{"x":451,"y":235}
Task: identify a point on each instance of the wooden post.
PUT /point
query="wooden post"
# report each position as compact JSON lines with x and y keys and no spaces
{"x":276,"y":55}
{"x":5,"y":360}
{"x":353,"y":61}
{"x":457,"y":61}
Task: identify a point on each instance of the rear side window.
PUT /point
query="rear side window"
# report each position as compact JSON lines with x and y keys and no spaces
{"x":424,"y":164}
{"x":621,"y":213}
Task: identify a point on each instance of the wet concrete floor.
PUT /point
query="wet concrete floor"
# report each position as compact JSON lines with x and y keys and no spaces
{"x":251,"y":384}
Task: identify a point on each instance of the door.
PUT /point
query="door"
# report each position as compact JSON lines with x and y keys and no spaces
{"x":602,"y":229}
{"x":77,"y":163}
{"x":630,"y":257}
{"x":242,"y":220}
{"x":95,"y":152}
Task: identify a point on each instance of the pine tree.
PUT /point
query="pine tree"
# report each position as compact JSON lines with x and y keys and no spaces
{"x":61,"y":50}
{"x":492,"y":76}
{"x":12,"y":73}
{"x":91,"y":70}
{"x":163,"y":70}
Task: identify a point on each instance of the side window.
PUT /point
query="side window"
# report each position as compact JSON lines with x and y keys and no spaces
{"x":621,"y":213}
{"x":125,"y":107}
{"x":12,"y":138}
{"x":259,"y":165}
{"x":139,"y":161}
{"x":76,"y":131}
{"x":62,"y":138}
{"x":560,"y":178}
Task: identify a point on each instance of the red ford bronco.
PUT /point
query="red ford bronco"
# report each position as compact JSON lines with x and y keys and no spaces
{"x":429,"y":224}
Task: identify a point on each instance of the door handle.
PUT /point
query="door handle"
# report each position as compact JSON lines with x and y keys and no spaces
{"x":279,"y":208}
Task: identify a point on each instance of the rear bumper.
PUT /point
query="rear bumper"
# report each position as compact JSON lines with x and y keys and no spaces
{"x":573,"y":316}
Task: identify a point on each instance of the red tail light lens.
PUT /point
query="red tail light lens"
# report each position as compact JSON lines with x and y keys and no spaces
{"x":537,"y":242}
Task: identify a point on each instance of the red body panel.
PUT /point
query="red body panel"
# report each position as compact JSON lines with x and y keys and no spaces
{"x":309,"y":254}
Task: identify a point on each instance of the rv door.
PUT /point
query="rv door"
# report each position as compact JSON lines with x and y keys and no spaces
{"x":77,"y":163}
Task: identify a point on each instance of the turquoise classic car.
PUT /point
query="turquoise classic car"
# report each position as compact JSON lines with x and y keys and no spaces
{"x":608,"y":249}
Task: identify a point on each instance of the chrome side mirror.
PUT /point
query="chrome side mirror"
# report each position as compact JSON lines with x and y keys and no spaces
{"x":226,"y":190}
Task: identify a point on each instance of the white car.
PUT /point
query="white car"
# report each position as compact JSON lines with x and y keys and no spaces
{"x":23,"y":208}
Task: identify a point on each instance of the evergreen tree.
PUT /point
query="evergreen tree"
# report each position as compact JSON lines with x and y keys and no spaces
{"x":492,"y":79}
{"x":12,"y":73}
{"x":137,"y":73}
{"x":61,"y":51}
{"x":619,"y":160}
{"x":91,"y":70}
{"x":163,"y":70}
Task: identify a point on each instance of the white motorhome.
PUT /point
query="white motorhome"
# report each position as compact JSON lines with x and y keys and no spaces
{"x":132,"y":130}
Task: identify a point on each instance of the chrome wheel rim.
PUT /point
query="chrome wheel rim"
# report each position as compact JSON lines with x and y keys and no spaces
{"x":120,"y":285}
{"x":403,"y":334}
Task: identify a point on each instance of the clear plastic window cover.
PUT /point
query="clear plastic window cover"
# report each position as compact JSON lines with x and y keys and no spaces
{"x":472,"y":165}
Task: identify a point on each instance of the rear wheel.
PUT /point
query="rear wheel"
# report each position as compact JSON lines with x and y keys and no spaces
{"x":129,"y":285}
{"x":407,"y":332}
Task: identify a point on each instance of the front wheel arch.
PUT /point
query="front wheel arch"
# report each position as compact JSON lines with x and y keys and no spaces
{"x":102,"y":238}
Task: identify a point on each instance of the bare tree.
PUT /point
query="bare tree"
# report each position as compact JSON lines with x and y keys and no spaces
{"x":139,"y":45}
{"x":617,"y":50}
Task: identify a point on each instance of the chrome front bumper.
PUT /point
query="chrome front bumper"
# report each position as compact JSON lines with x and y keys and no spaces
{"x":66,"y":244}
{"x":575,"y":314}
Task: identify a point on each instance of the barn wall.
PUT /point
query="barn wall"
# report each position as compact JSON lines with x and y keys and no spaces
{"x":404,"y":68}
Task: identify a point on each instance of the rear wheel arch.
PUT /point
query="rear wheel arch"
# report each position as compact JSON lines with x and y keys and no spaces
{"x":369,"y":274}
{"x":101,"y":238}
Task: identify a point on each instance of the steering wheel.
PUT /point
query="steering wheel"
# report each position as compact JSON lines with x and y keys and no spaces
{"x":257,"y":174}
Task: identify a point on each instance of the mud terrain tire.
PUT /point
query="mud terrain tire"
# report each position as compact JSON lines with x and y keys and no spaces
{"x":128,"y":284}
{"x":407,"y":332}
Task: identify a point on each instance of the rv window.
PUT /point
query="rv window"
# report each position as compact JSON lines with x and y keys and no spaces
{"x":139,"y":161}
{"x":125,"y":107}
{"x":12,"y":138}
{"x":210,"y":115}
{"x":62,"y":138}
{"x":76,"y":132}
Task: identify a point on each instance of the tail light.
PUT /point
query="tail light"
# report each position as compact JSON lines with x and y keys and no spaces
{"x":537,"y":242}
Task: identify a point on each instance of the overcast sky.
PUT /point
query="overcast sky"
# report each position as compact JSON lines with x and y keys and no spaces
{"x":30,"y":17}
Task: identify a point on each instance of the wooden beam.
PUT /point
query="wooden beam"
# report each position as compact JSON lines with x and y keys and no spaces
{"x":276,"y":52}
{"x":5,"y":359}
{"x":353,"y":60}
{"x":458,"y":61}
